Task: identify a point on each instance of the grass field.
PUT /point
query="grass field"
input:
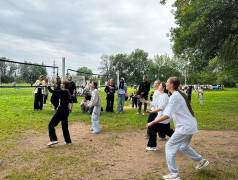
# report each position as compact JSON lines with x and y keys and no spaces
{"x":17,"y":119}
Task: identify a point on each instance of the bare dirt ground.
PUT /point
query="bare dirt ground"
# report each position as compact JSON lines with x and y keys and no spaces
{"x":123,"y":155}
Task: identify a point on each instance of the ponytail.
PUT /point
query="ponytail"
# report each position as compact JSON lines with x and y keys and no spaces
{"x":175,"y":81}
{"x":187,"y":102}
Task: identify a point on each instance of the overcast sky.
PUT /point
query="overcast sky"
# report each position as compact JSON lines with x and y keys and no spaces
{"x":82,"y":30}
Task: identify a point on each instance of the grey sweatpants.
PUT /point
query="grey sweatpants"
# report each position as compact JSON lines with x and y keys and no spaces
{"x":179,"y":142}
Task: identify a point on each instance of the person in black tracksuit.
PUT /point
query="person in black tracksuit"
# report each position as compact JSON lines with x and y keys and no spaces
{"x":110,"y":90}
{"x":61,"y":114}
{"x":143,"y":92}
{"x":55,"y":97}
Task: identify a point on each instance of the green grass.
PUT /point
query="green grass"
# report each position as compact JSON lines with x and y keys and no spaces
{"x":17,"y":116}
{"x":17,"y":119}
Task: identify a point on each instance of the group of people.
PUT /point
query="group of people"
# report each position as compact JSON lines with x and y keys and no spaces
{"x":163,"y":108}
{"x":178,"y":107}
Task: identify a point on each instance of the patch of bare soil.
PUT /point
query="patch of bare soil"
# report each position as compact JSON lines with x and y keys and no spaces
{"x":123,"y":155}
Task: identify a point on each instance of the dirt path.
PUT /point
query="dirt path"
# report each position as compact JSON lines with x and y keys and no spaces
{"x":123,"y":155}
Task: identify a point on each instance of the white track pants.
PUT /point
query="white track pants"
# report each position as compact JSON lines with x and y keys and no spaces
{"x":179,"y":142}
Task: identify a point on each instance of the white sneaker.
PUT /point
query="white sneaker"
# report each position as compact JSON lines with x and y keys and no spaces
{"x":171,"y":176}
{"x":202,"y":164}
{"x":54,"y":109}
{"x":94,"y":132}
{"x":52,"y":143}
{"x":143,"y":114}
{"x":138,"y":113}
{"x":151,"y":149}
{"x":162,"y":139}
{"x":91,"y":129}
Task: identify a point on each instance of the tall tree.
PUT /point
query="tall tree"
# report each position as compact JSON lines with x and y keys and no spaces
{"x":84,"y":71}
{"x":207,"y":29}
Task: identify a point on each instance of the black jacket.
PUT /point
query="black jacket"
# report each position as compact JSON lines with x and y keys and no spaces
{"x":144,"y":87}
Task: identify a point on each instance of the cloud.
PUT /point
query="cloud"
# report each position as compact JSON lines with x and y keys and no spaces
{"x":82,"y":31}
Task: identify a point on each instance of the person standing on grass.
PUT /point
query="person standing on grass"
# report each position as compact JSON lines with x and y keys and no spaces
{"x":134,"y":98}
{"x":143,"y":92}
{"x":161,"y":102}
{"x":110,"y":91}
{"x":189,"y":93}
{"x":185,"y":126}
{"x":72,"y":90}
{"x":39,"y":92}
{"x":200,"y":95}
{"x":153,"y":105}
{"x":61,"y":114}
{"x":96,"y":102}
{"x":121,"y":91}
{"x":55,"y":97}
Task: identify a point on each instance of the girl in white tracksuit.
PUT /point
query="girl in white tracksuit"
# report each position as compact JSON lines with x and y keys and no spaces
{"x":180,"y":110}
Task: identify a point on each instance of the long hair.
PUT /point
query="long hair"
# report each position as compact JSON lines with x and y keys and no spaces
{"x":66,"y":86}
{"x":175,"y":81}
{"x":164,"y":87}
{"x":121,"y":85}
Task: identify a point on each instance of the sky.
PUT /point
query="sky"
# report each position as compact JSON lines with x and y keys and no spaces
{"x":82,"y":30}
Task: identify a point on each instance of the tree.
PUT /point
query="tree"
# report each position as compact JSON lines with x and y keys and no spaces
{"x":8,"y":71}
{"x":29,"y":73}
{"x":207,"y":29}
{"x":84,"y":71}
{"x":107,"y":69}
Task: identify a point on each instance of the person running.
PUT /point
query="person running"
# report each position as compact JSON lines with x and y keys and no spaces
{"x":39,"y":92}
{"x":143,"y":92}
{"x":72,"y":90}
{"x":96,"y":102}
{"x":110,"y":91}
{"x":61,"y":114}
{"x":161,"y":102}
{"x":200,"y":95}
{"x":185,"y":126}
{"x":55,"y":97}
{"x":121,"y":91}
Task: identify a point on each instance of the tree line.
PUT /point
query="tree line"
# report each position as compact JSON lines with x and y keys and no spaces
{"x":20,"y":73}
{"x":134,"y":65}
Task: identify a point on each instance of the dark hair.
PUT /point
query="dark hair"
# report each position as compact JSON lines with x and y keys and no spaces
{"x":164,"y":87}
{"x":121,"y":85}
{"x":66,"y":86}
{"x":95,"y":85}
{"x":175,"y":81}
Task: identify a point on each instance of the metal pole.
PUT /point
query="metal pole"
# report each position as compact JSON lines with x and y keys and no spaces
{"x":63,"y":68}
{"x":118,"y":77}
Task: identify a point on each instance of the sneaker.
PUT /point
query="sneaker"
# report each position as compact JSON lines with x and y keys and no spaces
{"x":202,"y":164}
{"x":162,"y":139}
{"x":52,"y":143}
{"x":67,"y":143}
{"x":91,"y":129}
{"x":138,"y":113}
{"x":171,"y":176}
{"x":151,"y":149}
{"x":54,"y":109}
{"x":147,"y":136}
{"x":143,"y":114}
{"x":94,"y":132}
